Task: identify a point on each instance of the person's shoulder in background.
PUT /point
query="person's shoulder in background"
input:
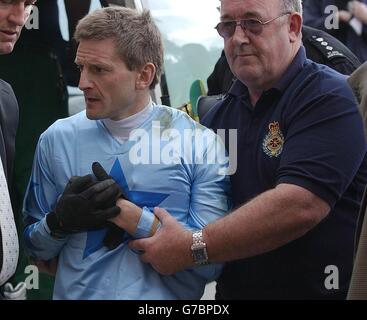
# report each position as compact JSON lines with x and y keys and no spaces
{"x":323,"y":48}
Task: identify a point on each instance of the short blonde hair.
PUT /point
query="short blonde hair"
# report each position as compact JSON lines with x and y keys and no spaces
{"x":138,"y":39}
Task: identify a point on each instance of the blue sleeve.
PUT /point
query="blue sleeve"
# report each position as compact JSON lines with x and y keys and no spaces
{"x":309,"y":160}
{"x":314,"y":13}
{"x":209,"y":201}
{"x":40,"y":199}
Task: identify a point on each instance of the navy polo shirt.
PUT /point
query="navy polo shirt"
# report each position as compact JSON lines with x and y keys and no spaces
{"x":305,"y":131}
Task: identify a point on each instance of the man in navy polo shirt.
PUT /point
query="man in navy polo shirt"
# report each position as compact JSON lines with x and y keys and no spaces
{"x":300,"y":167}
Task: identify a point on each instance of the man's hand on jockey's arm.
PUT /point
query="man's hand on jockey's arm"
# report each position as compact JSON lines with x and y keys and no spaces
{"x":168,"y":250}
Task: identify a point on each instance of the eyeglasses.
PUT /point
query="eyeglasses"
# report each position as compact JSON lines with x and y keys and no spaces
{"x":226,"y":29}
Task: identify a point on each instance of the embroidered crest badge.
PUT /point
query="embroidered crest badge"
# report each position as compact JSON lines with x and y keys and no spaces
{"x":274,"y":140}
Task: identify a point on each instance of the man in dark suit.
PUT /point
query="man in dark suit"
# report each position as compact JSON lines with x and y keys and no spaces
{"x":13,"y":16}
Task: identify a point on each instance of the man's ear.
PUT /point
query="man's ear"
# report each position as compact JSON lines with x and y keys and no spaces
{"x":145,"y":76}
{"x":295,"y":26}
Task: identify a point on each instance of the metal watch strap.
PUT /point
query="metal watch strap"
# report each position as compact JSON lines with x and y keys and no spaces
{"x":197,"y":238}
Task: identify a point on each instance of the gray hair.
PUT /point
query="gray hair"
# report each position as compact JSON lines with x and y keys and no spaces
{"x":138,"y":39}
{"x":292,"y":6}
{"x":289,"y":5}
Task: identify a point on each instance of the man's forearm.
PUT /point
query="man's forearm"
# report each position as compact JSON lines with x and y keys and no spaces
{"x":267,"y":222}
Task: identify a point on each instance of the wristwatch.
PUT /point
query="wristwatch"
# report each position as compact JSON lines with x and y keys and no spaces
{"x":198,"y":248}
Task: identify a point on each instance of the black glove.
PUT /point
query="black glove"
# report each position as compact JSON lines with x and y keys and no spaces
{"x":115,"y":235}
{"x":84,"y":205}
